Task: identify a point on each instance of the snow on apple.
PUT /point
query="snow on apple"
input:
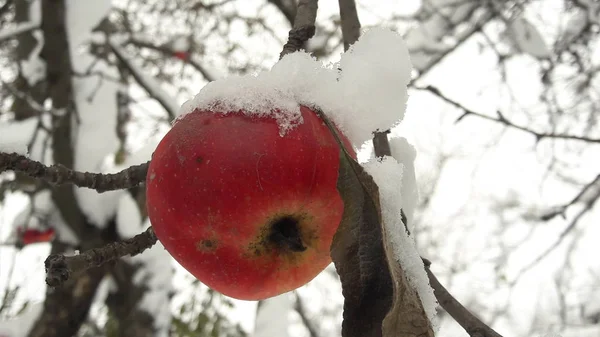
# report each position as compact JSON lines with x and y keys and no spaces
{"x":369,"y":93}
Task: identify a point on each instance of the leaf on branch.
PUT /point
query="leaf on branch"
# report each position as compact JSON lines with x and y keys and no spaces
{"x":378,"y":300}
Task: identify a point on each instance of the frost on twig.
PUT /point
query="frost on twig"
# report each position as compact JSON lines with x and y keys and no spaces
{"x":59,"y":267}
{"x":60,"y":175}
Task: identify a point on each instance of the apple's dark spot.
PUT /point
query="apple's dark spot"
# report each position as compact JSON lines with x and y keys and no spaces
{"x":286,"y":234}
{"x":207,"y":245}
{"x":198,"y":159}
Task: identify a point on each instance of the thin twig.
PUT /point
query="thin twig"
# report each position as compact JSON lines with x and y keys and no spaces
{"x":562,"y":209}
{"x":561,"y":237}
{"x":60,"y":175}
{"x":503,"y":120}
{"x":59,"y":267}
{"x":304,"y":27}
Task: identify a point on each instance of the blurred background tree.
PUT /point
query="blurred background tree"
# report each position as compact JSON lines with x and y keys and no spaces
{"x":503,"y":113}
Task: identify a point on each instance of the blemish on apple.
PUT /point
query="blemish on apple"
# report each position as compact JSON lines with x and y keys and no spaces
{"x":207,"y":245}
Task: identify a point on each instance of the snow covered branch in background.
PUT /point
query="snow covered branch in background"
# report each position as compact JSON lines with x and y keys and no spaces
{"x":20,"y":29}
{"x":148,"y":83}
{"x":58,"y":174}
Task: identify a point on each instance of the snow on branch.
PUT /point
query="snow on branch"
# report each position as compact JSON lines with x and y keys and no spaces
{"x":149,"y":84}
{"x":59,"y":174}
{"x":59,"y":267}
{"x":24,"y":27}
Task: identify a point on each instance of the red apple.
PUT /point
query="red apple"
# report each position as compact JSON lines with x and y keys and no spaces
{"x":248,"y":212}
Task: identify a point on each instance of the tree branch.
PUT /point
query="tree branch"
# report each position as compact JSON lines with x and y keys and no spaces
{"x":208,"y":75}
{"x":578,"y":198}
{"x":60,"y":175}
{"x":503,"y":120}
{"x":304,"y":27}
{"x":350,"y":22}
{"x":59,"y":267}
{"x":146,"y":82}
{"x":472,"y":325}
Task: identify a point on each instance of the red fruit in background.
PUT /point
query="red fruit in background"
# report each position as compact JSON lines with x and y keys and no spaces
{"x":182,"y":55}
{"x":248,"y":212}
{"x":29,"y":236}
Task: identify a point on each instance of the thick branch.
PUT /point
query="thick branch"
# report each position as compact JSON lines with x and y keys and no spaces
{"x":60,"y":175}
{"x":59,"y":267}
{"x":304,"y":27}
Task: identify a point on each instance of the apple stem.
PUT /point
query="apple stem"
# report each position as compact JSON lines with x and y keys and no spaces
{"x":59,"y":267}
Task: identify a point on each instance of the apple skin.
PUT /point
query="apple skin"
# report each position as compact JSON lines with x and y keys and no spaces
{"x":248,"y":212}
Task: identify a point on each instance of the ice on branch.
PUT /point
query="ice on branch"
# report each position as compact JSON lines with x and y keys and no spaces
{"x":368,"y":94}
{"x":389,"y":175}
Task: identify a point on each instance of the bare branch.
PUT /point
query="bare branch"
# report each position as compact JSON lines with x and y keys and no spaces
{"x":60,"y":175}
{"x":350,"y":22}
{"x":503,"y":120}
{"x":304,"y":27}
{"x":578,"y":198}
{"x":563,"y":235}
{"x":59,"y":267}
{"x":208,"y":75}
{"x":472,"y":325}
